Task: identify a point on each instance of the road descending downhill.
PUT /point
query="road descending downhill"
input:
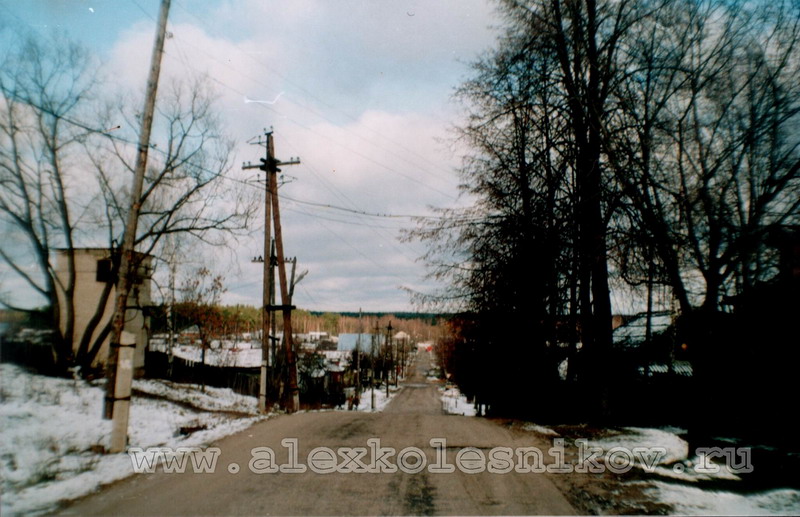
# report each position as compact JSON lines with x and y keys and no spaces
{"x":243,"y":482}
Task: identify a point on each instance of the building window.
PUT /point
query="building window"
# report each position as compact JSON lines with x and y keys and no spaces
{"x":104,"y":271}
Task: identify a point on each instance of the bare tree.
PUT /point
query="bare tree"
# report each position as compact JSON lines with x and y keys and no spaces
{"x":200,"y":297}
{"x":67,"y":178}
{"x":654,"y":141}
{"x":707,"y":159}
{"x":44,"y":89}
{"x":537,"y":245}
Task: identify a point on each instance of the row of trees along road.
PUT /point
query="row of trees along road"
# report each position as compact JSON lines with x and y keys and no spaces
{"x":613,"y":143}
{"x":67,"y":150}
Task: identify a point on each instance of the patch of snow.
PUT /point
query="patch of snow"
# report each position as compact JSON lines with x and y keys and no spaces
{"x":231,"y":357}
{"x":690,"y":500}
{"x":563,"y":369}
{"x":676,"y":464}
{"x":685,"y":471}
{"x":213,"y":399}
{"x":677,"y":449}
{"x":381,"y":400}
{"x":455,"y":403}
{"x":546,"y":431}
{"x":53,"y":434}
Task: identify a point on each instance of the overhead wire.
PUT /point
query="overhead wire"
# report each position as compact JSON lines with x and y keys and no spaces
{"x":116,"y":137}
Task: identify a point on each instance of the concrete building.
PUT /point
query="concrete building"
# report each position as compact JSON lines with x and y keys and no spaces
{"x":93,"y":271}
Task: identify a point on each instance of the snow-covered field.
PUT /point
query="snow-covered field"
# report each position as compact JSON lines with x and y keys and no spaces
{"x":53,"y":436}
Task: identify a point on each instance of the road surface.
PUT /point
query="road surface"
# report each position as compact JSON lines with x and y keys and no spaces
{"x":412,"y":419}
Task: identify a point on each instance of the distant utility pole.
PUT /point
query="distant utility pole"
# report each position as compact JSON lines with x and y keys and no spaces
{"x":171,"y":314}
{"x":119,"y":366}
{"x":372,"y":361}
{"x":270,"y":166}
{"x":358,"y":356}
{"x":391,"y":358}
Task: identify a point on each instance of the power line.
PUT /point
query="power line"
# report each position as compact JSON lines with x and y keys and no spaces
{"x":116,"y":137}
{"x":181,"y":56}
{"x":342,"y":221}
{"x":359,"y":212}
{"x":390,"y":239}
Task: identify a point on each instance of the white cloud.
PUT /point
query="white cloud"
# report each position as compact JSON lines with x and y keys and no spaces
{"x":365,"y":90}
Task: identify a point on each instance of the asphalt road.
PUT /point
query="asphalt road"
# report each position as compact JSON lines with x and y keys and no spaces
{"x":412,"y":419}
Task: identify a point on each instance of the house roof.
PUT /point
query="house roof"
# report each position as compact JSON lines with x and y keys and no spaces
{"x":350,"y":341}
{"x":634,"y":332}
{"x":680,"y":368}
{"x":191,"y":329}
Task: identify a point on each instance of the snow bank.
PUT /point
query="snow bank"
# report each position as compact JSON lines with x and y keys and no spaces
{"x":53,"y":438}
{"x":677,"y":462}
{"x":677,"y":449}
{"x":689,"y":500}
{"x":692,"y":500}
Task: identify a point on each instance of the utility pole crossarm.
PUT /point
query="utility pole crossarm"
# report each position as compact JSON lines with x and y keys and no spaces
{"x":248,"y":165}
{"x":276,"y":163}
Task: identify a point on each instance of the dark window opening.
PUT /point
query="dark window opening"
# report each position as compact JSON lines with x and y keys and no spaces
{"x":104,"y":270}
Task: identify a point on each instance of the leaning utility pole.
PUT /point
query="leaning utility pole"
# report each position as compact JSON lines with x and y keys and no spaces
{"x":119,"y":367}
{"x":270,"y":166}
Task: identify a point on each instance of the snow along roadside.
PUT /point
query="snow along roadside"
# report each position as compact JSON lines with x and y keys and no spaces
{"x":53,"y":438}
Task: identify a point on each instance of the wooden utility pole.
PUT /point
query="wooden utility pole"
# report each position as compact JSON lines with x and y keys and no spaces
{"x":391,"y":358}
{"x":293,"y":400}
{"x":266,"y":260}
{"x":270,"y":166}
{"x":358,"y":356}
{"x":171,"y":315}
{"x":117,"y":403}
{"x":372,"y":367}
{"x":275,"y":363}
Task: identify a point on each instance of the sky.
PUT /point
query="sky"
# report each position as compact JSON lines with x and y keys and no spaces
{"x":360,"y":91}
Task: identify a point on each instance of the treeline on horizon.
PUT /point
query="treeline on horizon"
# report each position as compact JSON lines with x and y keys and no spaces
{"x":227,"y":320}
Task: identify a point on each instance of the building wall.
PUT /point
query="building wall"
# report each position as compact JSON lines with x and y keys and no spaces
{"x":88,"y":292}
